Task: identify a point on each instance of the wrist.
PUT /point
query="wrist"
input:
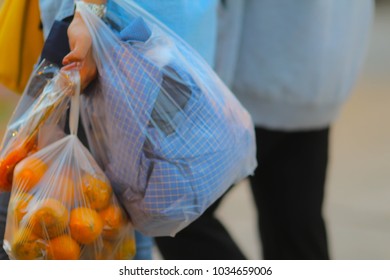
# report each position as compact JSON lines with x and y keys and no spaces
{"x":99,"y":2}
{"x":97,"y":7}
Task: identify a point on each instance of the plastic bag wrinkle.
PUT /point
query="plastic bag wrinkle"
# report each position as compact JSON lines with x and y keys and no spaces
{"x":172,"y":137}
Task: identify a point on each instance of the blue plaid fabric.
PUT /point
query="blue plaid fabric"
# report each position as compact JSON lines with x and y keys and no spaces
{"x":167,"y":180}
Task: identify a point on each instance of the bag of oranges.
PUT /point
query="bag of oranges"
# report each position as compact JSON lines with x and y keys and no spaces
{"x":44,"y":101}
{"x":62,"y":205}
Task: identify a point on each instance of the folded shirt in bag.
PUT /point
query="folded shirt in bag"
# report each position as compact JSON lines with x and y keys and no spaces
{"x":169,"y":134}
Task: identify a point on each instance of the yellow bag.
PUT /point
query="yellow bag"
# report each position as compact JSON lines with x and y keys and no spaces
{"x":21,"y":42}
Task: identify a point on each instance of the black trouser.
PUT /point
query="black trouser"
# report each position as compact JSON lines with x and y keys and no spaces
{"x":288,"y":188}
{"x":4,"y":198}
{"x":204,"y":239}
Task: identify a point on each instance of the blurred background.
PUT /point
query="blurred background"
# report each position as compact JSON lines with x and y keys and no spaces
{"x":357,"y":201}
{"x":357,"y":205}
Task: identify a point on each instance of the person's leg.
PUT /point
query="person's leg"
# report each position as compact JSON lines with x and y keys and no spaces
{"x":204,"y":239}
{"x":4,"y":199}
{"x":288,"y":187}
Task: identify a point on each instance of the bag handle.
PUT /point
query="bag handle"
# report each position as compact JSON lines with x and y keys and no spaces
{"x":74,"y":114}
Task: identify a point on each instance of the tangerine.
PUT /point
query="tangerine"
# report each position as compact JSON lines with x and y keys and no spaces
{"x":126,"y":249}
{"x":7,"y":166}
{"x":96,"y":191}
{"x":18,"y":204}
{"x":28,"y":246}
{"x":29,"y":172}
{"x":63,"y":247}
{"x":113,"y":221}
{"x":33,"y":150}
{"x":85,"y":225}
{"x":106,"y":252}
{"x":65,"y":189}
{"x":50,"y":218}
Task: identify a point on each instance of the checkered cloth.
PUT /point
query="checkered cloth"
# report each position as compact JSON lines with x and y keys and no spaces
{"x":173,"y":142}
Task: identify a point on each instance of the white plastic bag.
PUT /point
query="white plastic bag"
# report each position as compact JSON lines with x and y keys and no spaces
{"x":62,"y":205}
{"x":43,"y":102}
{"x":170,"y":135}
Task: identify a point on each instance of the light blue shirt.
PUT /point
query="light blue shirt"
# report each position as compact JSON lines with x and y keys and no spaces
{"x":293,"y":64}
{"x":194,"y":21}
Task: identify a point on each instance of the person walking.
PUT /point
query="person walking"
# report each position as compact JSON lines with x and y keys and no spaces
{"x":293,"y":65}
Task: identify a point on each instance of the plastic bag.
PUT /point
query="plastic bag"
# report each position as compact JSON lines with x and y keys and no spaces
{"x":62,"y":205}
{"x":44,"y":100}
{"x":170,"y":135}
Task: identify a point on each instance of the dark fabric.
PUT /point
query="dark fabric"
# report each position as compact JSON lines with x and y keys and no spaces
{"x":288,"y":188}
{"x":4,"y":199}
{"x":56,"y":44}
{"x":204,"y":239}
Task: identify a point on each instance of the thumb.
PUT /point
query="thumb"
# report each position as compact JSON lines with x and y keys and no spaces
{"x":76,"y":55}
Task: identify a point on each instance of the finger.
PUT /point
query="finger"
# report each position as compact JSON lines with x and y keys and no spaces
{"x":76,"y":55}
{"x":72,"y":65}
{"x":78,"y":52}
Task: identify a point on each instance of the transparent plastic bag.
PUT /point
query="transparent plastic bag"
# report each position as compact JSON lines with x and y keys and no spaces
{"x":62,"y":206}
{"x":44,"y":101}
{"x":169,"y":134}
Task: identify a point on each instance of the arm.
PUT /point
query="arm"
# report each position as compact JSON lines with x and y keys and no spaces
{"x":80,"y":43}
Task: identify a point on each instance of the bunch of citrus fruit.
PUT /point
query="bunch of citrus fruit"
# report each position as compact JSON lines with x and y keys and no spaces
{"x":63,"y":216}
{"x":15,"y":153}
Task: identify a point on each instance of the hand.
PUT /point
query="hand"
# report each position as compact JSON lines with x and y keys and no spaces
{"x":80,"y":56}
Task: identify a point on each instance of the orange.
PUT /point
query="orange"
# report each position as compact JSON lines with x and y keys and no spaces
{"x":96,"y":191}
{"x":33,"y":150}
{"x":28,"y":246}
{"x":63,"y":248}
{"x":18,"y":204}
{"x":126,"y":249}
{"x":50,"y":218}
{"x":106,"y":253}
{"x":122,"y":249}
{"x":7,"y":166}
{"x":65,"y":189}
{"x":62,"y":188}
{"x":29,"y":172}
{"x":113,"y":221}
{"x":85,"y":225}
{"x":5,"y":184}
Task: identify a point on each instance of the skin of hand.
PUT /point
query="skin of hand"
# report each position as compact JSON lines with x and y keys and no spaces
{"x":80,"y":56}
